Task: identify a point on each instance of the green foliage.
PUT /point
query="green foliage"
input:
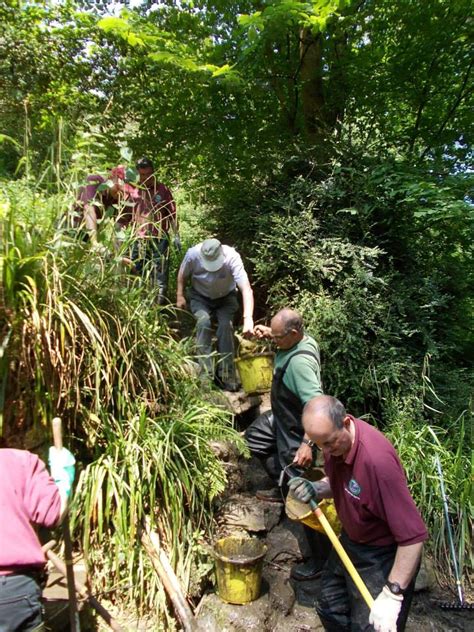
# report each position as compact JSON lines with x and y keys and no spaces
{"x":82,"y":339}
{"x":418,"y":444}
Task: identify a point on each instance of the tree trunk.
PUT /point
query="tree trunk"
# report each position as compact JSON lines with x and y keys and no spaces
{"x":312,"y":93}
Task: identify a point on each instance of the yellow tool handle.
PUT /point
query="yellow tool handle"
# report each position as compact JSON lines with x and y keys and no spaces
{"x":351,"y":569}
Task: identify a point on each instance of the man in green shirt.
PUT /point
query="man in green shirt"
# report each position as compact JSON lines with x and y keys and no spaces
{"x":278,"y":438}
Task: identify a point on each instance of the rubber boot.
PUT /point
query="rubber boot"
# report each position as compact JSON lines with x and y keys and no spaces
{"x":320,"y":547}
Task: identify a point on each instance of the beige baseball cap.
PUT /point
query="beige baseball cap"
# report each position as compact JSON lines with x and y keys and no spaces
{"x":212,"y":255}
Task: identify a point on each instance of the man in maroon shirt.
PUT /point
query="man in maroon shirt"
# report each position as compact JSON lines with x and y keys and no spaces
{"x":383,"y":532}
{"x":155,"y":217}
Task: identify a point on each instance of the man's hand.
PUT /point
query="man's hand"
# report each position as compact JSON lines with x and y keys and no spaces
{"x":303,"y":456}
{"x":304,"y":490}
{"x":180,"y":301}
{"x":261,"y":331}
{"x":385,"y":611}
{"x":62,"y":468}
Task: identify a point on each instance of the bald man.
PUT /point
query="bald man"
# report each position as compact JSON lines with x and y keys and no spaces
{"x":383,"y":532}
{"x":277,"y":438}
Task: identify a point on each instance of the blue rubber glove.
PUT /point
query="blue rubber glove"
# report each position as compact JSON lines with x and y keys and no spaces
{"x":304,"y":490}
{"x":177,"y":243}
{"x":62,"y":468}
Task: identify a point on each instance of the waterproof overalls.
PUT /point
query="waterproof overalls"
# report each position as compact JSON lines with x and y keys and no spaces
{"x":275,"y":437}
{"x":287,"y":411}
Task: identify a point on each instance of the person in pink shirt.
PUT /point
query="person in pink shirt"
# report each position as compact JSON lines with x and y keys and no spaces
{"x":29,"y":498}
{"x":99,"y":194}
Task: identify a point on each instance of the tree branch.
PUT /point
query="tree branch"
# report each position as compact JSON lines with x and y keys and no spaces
{"x":421,"y":107}
{"x":452,"y":109}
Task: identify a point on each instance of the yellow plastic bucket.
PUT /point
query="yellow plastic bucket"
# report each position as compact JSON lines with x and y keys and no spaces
{"x":256,"y":372}
{"x":297,"y":510}
{"x":239,"y":563}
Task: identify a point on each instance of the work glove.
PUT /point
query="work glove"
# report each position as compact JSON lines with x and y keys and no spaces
{"x":62,"y":468}
{"x":304,"y":490}
{"x":177,"y":243}
{"x":385,"y":611}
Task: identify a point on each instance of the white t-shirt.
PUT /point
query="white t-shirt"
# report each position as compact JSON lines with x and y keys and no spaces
{"x":214,"y":284}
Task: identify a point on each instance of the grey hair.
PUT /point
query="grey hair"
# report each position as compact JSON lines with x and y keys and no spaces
{"x":291,"y":320}
{"x":336,"y":412}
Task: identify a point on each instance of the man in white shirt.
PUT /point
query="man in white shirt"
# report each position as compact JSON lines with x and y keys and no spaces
{"x":215,"y":271}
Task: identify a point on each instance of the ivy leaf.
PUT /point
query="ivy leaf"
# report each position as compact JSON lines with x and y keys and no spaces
{"x":126,"y":153}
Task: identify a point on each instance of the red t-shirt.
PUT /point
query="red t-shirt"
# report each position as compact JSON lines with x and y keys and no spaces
{"x":371,"y":493}
{"x":150,"y":206}
{"x":155,"y":209}
{"x":28,"y":497}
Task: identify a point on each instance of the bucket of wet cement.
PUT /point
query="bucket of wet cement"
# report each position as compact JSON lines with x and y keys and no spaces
{"x":239,"y":563}
{"x":299,"y":511}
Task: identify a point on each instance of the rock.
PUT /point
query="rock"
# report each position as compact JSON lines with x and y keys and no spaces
{"x":254,"y":476}
{"x":426,"y":577}
{"x":302,"y":619}
{"x":265,"y":403}
{"x":217,"y":616}
{"x":239,"y":403}
{"x":224,"y":450}
{"x":281,"y":594}
{"x":249,"y":513}
{"x":287,"y":543}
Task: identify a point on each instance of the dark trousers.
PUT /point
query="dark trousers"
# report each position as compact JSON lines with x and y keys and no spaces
{"x":224,"y":309}
{"x":340,"y":606}
{"x":262,"y":443}
{"x":20,"y":604}
{"x":151,"y":258}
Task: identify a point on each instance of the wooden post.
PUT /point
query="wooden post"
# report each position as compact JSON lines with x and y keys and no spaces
{"x":151,"y":542}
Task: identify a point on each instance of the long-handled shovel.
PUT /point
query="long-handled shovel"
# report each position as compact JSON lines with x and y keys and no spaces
{"x":81,"y":590}
{"x":351,"y":569}
{"x":73,"y":612}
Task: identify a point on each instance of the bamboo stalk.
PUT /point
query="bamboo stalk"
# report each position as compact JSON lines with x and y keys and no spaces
{"x":151,"y":542}
{"x":73,"y":613}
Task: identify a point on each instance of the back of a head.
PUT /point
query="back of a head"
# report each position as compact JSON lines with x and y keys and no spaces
{"x":144,"y":163}
{"x":290,"y":319}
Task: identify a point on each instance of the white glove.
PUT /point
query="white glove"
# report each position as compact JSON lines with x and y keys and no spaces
{"x":385,"y":611}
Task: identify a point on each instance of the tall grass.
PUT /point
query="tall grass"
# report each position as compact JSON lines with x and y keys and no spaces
{"x":82,"y":338}
{"x":418,"y":443}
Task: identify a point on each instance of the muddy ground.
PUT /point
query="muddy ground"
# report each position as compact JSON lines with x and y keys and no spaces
{"x":286,"y":605}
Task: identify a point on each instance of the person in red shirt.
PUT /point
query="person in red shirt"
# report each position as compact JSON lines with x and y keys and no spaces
{"x":29,"y":498}
{"x":147,"y":206}
{"x":155,"y":218}
{"x":383,"y":532}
